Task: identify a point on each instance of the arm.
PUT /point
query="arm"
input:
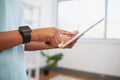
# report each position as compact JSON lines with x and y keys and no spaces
{"x":52,"y":35}
{"x":10,"y":39}
{"x":37,"y":46}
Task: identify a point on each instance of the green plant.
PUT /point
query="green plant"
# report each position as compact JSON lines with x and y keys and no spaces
{"x":52,"y":60}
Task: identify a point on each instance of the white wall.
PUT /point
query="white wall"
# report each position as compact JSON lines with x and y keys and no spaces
{"x":48,"y":13}
{"x":97,"y":56}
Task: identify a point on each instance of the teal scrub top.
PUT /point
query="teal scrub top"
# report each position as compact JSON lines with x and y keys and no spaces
{"x":12,"y":66}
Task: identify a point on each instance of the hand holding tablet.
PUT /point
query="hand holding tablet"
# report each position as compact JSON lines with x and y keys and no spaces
{"x":79,"y":35}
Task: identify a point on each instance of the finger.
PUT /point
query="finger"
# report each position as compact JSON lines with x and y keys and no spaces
{"x":57,"y":38}
{"x":72,"y":44}
{"x":56,"y":41}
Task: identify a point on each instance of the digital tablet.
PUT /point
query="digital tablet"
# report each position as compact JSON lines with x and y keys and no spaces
{"x":79,"y":34}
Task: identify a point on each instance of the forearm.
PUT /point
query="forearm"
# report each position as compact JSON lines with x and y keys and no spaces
{"x":10,"y":39}
{"x":37,"y":46}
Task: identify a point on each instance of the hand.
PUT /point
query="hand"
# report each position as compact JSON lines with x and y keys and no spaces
{"x":42,"y":39}
{"x":66,"y":38}
{"x":51,"y":35}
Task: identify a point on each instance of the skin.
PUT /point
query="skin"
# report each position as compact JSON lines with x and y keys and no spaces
{"x":41,"y":38}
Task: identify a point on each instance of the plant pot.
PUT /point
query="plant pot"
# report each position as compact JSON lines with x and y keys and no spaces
{"x":46,"y":72}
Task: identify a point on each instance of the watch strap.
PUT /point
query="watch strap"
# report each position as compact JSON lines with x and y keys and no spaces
{"x":25,"y":31}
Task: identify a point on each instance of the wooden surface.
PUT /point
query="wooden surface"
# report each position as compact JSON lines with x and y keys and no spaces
{"x":54,"y":73}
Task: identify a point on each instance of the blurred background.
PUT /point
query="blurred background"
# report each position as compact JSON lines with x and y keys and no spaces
{"x":95,"y":56}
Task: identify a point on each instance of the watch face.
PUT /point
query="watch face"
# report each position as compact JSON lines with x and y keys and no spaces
{"x":25,"y":29}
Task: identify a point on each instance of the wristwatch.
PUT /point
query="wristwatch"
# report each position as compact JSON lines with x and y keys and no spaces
{"x":25,"y":31}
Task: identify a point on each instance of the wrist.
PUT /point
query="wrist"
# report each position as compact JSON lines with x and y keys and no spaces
{"x":33,"y":35}
{"x":36,"y":35}
{"x":40,"y":34}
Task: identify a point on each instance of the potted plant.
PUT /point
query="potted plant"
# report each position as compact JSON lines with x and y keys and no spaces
{"x":52,"y":61}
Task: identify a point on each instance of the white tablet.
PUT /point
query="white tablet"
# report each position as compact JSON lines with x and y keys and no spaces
{"x":79,"y":34}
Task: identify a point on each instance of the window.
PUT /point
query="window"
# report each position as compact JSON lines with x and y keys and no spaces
{"x":80,"y":14}
{"x":113,"y":24}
